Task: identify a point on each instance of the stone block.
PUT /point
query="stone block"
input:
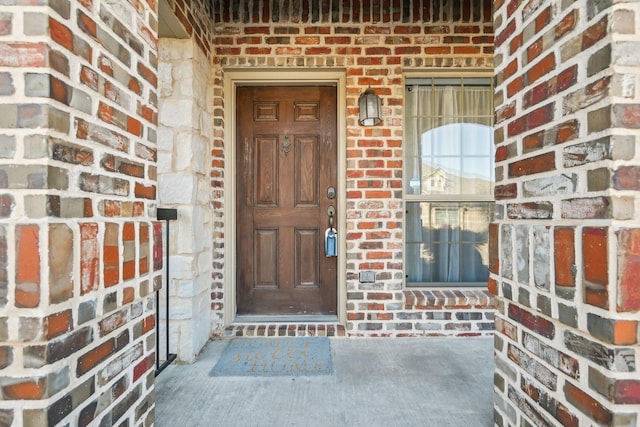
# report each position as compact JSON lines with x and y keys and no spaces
{"x":177,"y":114}
{"x":177,"y":188}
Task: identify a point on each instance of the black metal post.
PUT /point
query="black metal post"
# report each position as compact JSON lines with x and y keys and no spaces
{"x":167,"y":215}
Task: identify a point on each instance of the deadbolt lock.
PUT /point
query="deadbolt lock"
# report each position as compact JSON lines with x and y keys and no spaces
{"x":331,"y":193}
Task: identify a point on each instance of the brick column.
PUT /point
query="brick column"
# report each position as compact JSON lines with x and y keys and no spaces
{"x":80,"y":254}
{"x":564,"y":247}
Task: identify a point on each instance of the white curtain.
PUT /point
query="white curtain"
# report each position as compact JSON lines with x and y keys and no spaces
{"x":434,"y":230}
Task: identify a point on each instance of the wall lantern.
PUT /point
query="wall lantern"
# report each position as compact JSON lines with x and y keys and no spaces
{"x":370,"y":110}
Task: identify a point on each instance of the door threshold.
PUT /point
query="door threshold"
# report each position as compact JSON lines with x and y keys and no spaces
{"x":319,"y":318}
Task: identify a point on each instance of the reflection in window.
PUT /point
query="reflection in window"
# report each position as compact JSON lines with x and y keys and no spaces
{"x":448,"y":179}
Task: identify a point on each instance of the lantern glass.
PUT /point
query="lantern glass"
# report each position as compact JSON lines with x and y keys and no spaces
{"x":370,"y":108}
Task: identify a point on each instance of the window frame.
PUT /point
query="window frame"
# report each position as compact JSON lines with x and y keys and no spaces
{"x":413,"y":78}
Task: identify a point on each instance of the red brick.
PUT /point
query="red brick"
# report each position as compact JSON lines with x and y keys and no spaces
{"x":541,"y":68}
{"x":627,"y":392}
{"x":145,"y":192}
{"x":494,"y":248}
{"x":58,"y":324}
{"x":587,"y":404}
{"x":506,"y":33}
{"x":93,"y":357}
{"x":86,"y":24}
{"x":595,"y":255}
{"x":143,"y":367}
{"x":508,"y":191}
{"x":594,"y":33}
{"x":532,"y":165}
{"x":147,"y":74}
{"x":564,"y":256}
{"x":29,"y":389}
{"x":61,"y":34}
{"x":27,"y":266}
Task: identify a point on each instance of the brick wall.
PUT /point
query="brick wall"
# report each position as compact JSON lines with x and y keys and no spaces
{"x":564,"y":263}
{"x":80,"y":253}
{"x":375,"y":43}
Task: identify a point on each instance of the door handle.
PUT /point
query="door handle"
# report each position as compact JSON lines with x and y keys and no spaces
{"x":331,"y":211}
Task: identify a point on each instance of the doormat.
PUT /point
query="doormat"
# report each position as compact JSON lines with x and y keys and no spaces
{"x":267,"y":357}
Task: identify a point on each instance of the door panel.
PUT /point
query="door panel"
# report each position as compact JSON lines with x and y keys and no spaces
{"x":286,"y":160}
{"x":266,"y":171}
{"x":306,"y":177}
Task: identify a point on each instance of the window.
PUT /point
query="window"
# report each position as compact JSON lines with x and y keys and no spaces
{"x":448,"y":180}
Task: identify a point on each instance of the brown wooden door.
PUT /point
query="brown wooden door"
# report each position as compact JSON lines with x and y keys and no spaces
{"x":286,"y":161}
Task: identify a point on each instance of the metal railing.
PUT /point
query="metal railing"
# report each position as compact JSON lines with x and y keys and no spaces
{"x":167,"y":215}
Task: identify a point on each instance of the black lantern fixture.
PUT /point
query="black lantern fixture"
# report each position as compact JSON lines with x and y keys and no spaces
{"x":370,"y":109}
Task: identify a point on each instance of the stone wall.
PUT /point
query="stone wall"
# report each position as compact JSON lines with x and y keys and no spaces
{"x":184,"y":162}
{"x":564,"y":258}
{"x":80,"y":252}
{"x":375,"y":43}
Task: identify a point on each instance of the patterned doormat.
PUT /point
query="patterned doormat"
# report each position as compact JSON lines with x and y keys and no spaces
{"x":266,"y":357}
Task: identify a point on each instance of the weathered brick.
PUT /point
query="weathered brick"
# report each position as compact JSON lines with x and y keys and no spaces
{"x":617,"y":359}
{"x":587,"y":404}
{"x":527,"y":408}
{"x":60,"y":263}
{"x":586,"y":208}
{"x":39,"y":355}
{"x":549,"y":186}
{"x":541,"y":210}
{"x":628,"y":270}
{"x":23,"y":54}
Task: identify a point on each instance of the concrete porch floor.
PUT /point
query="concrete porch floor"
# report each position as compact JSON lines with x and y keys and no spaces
{"x":375,"y":382}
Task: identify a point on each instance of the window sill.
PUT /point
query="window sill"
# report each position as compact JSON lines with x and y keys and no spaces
{"x":430,"y":299}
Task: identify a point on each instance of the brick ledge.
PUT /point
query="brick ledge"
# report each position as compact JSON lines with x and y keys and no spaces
{"x":284,"y":330}
{"x":437,"y":299}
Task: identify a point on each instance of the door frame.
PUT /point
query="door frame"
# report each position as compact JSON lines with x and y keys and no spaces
{"x":279,"y":77}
